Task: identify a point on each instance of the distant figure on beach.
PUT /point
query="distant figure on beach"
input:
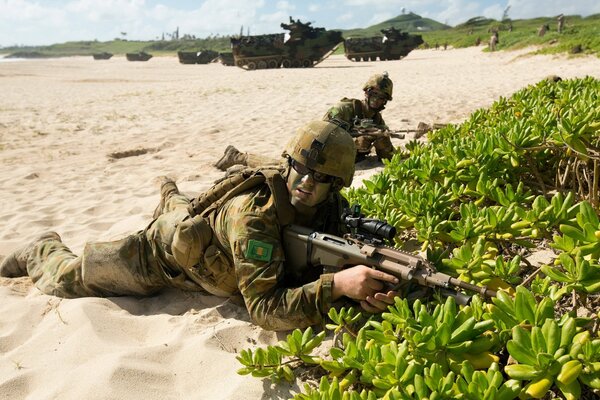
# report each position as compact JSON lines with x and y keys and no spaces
{"x":494,"y":41}
{"x":378,"y":91}
{"x":560,"y":20}
{"x":542,"y":30}
{"x":227,"y":243}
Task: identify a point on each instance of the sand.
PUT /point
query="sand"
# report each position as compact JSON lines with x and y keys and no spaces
{"x":81,"y":145}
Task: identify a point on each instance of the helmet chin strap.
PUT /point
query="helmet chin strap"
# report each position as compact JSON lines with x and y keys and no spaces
{"x":337,"y":185}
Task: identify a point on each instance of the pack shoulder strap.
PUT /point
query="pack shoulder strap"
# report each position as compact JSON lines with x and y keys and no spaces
{"x":214,"y":198}
{"x":285,"y":211}
{"x":358,"y":110}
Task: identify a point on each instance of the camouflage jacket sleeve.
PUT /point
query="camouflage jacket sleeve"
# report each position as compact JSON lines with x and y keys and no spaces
{"x":248,"y":226}
{"x":344,"y":110}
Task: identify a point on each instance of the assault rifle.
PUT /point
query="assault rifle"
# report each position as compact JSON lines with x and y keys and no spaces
{"x":366,"y":127}
{"x":366,"y":245}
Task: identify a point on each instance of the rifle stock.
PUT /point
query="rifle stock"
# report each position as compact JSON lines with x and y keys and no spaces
{"x":306,"y":247}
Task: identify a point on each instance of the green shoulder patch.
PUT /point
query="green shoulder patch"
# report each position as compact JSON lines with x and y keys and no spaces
{"x":259,"y":251}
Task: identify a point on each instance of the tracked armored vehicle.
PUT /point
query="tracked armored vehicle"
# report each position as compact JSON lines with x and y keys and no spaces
{"x":226,"y":58}
{"x":141,"y":56}
{"x":306,"y":47}
{"x":392,"y":46}
{"x":102,"y":56}
{"x":197,"y":57}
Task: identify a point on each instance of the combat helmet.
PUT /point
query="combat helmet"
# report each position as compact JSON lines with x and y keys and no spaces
{"x":381,"y":82}
{"x":326,"y":147}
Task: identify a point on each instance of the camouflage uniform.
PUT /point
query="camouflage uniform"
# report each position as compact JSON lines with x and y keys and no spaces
{"x":561,"y":23}
{"x":349,"y":109}
{"x":145,"y":262}
{"x":234,"y":157}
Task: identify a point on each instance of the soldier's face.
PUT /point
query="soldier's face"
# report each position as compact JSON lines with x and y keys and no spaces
{"x":376,"y":99}
{"x":304,"y":189}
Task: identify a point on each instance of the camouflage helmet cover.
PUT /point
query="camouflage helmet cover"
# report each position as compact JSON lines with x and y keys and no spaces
{"x":381,"y":82}
{"x":324,"y":147}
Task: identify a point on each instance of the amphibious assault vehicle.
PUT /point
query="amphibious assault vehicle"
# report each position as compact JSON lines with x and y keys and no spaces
{"x":392,"y":46}
{"x":226,"y":58}
{"x":197,"y":57}
{"x":141,"y":56}
{"x":305,"y":47}
{"x":102,"y":56}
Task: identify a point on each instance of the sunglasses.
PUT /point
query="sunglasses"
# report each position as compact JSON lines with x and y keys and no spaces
{"x":303,"y":170}
{"x":377,"y":95}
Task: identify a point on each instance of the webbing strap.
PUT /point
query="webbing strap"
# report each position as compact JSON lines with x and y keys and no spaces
{"x":358,"y":110}
{"x":309,"y":247}
{"x":207,"y":203}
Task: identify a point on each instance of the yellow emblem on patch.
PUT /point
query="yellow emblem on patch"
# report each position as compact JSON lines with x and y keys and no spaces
{"x":259,"y":251}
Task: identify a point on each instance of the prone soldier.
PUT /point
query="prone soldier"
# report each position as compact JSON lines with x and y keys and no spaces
{"x":227,"y":242}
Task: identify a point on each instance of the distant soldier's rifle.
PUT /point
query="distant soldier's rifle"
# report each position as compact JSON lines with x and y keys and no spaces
{"x":379,"y":132}
{"x":366,"y":127}
{"x":365,"y":246}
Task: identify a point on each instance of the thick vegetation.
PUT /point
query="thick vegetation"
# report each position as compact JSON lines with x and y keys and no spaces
{"x":479,"y":197}
{"x":578,"y":35}
{"x":118,"y":46}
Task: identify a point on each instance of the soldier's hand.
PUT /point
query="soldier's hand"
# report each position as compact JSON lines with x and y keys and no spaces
{"x":379,"y":302}
{"x":365,"y":285}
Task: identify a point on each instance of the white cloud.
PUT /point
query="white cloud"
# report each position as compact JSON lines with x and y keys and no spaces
{"x":345,"y":17}
{"x":457,"y":11}
{"x":453,"y":12}
{"x":380,"y":17}
{"x":53,"y":21}
{"x":96,"y":10}
{"x":391,"y":5}
{"x":285,"y":6}
{"x":531,"y":9}
{"x":22,"y":10}
{"x":494,"y":12}
{"x":224,"y":17}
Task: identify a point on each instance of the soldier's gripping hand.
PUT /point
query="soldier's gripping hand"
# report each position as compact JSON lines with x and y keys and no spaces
{"x":365,"y":285}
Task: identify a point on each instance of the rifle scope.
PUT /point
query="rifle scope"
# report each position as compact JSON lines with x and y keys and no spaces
{"x":372,"y":227}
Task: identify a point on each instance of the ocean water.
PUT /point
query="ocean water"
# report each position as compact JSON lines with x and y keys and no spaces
{"x":3,"y":59}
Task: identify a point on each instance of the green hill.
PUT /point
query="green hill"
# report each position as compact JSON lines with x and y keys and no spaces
{"x":406,"y":22}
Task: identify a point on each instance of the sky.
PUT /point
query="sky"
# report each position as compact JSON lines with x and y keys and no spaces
{"x":43,"y":22}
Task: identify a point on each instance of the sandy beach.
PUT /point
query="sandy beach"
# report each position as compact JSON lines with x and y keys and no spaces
{"x":81,"y":145}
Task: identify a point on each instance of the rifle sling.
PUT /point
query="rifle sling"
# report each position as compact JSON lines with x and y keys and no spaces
{"x":309,"y":247}
{"x":358,"y":110}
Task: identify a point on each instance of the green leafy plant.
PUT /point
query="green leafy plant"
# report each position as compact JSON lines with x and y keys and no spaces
{"x":479,"y":197}
{"x":270,"y":362}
